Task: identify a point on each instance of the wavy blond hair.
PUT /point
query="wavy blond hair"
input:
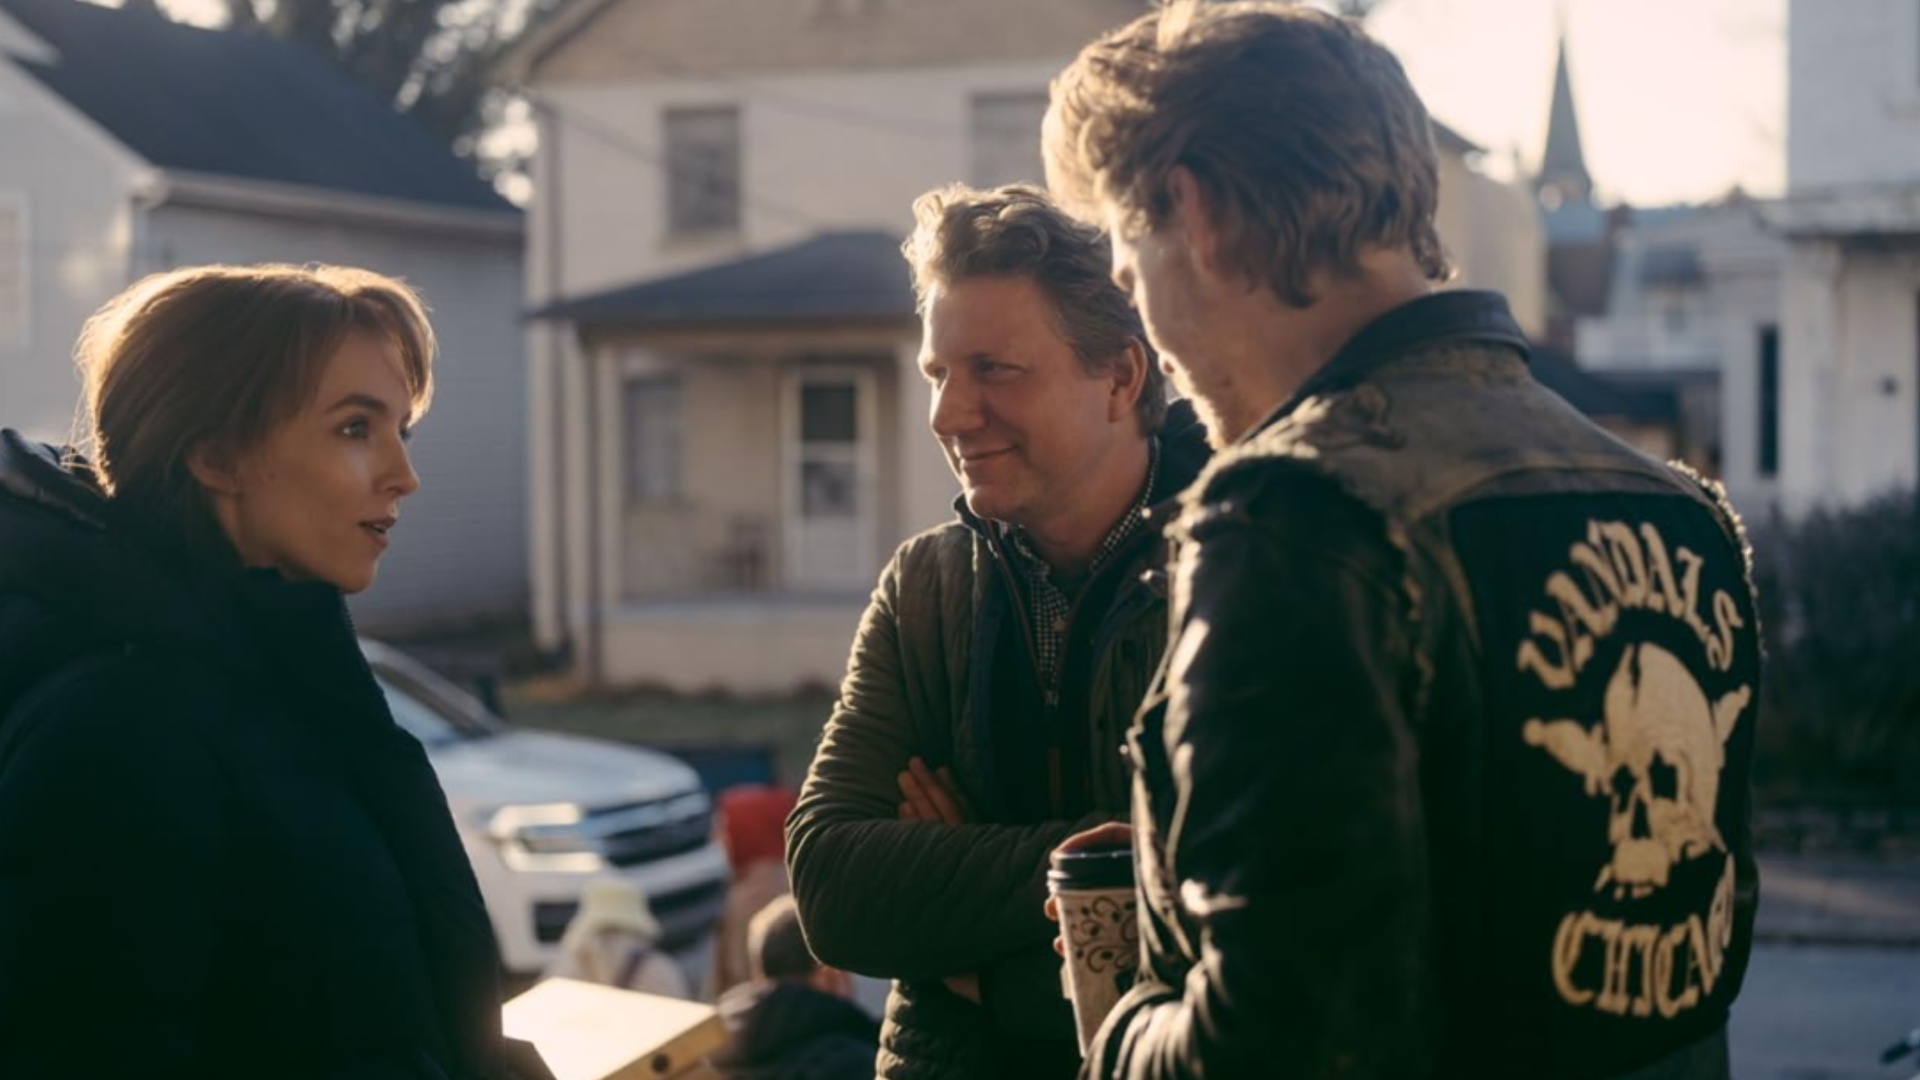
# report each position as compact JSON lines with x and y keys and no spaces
{"x":1304,"y":133}
{"x":963,"y":232}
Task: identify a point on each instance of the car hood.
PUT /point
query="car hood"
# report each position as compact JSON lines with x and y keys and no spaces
{"x":528,"y":767}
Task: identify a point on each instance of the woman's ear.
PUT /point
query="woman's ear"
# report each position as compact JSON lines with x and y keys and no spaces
{"x":214,"y":470}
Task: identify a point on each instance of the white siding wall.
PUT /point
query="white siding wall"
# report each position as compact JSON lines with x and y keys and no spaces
{"x":1851,"y":361}
{"x":1879,"y":359}
{"x":1853,"y":82}
{"x":1749,"y":295}
{"x":820,"y":152}
{"x":76,"y":189}
{"x":460,"y":550}
{"x":1508,"y":248}
{"x":1492,"y":233}
{"x":1738,"y":263}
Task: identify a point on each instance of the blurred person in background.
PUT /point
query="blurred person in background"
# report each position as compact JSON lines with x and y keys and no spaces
{"x":752,"y":823}
{"x":1447,"y":770}
{"x":219,"y":856}
{"x":614,"y":940}
{"x":794,"y":1020}
{"x":1003,"y":654}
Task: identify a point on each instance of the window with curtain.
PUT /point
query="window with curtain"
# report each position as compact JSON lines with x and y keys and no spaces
{"x":703,"y":170}
{"x":653,"y":438}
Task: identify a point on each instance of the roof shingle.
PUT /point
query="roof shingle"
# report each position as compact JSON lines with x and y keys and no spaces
{"x":832,"y":277}
{"x":239,"y":105}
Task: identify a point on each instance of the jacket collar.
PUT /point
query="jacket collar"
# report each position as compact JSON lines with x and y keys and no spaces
{"x":36,"y":474}
{"x":198,"y":601}
{"x":1456,"y":316}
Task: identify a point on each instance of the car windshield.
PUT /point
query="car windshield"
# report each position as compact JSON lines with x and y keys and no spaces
{"x":430,"y":709}
{"x":419,"y":719}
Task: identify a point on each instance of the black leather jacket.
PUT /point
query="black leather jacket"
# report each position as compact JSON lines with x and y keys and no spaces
{"x":1446,"y":771}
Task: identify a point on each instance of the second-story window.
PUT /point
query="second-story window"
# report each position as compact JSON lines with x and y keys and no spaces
{"x":1673,"y":315}
{"x":1006,"y":138}
{"x":703,"y":170}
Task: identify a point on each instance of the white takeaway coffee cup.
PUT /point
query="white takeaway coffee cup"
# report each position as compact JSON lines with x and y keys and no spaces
{"x":1099,"y":924}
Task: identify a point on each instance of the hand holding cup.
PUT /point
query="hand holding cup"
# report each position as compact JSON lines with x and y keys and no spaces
{"x":1092,"y":898}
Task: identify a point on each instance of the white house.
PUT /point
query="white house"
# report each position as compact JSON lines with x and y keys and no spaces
{"x":1850,"y":318}
{"x":726,"y":420}
{"x":132,"y":144}
{"x":1694,"y":306}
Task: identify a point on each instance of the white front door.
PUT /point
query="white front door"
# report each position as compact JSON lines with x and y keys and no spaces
{"x":829,"y":436}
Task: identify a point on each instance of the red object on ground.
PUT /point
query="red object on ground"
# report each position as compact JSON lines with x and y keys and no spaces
{"x":753,"y":821}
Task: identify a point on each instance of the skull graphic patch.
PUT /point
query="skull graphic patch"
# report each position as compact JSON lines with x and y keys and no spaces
{"x":1656,"y":757}
{"x":1621,"y":680}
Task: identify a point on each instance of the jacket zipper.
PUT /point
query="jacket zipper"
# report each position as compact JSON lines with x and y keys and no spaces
{"x":1020,"y":611}
{"x":1050,"y":694}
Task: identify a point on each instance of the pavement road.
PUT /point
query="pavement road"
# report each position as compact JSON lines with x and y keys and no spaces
{"x":1819,"y":1012}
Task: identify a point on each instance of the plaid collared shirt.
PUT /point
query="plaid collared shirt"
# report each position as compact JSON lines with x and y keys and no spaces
{"x":1048,"y":605}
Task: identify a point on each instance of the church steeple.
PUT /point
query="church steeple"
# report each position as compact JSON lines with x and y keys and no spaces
{"x":1563,"y":175}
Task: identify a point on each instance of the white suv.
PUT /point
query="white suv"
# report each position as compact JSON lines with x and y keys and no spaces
{"x":541,"y":814}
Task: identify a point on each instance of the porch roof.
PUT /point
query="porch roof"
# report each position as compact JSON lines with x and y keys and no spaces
{"x":833,"y":277}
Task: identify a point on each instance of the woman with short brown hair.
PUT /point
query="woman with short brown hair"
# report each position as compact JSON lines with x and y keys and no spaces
{"x":219,"y":857}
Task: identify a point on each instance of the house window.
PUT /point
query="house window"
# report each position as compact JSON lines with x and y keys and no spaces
{"x":1769,"y":431}
{"x":653,"y":439}
{"x":829,"y":441}
{"x":1673,"y":315}
{"x":703,"y":170}
{"x":1006,"y":138}
{"x":13,"y":269}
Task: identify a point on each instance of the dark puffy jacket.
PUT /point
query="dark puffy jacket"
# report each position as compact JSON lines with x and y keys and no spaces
{"x":219,"y":857}
{"x":917,"y":902}
{"x":1447,"y":774}
{"x":790,"y":1031}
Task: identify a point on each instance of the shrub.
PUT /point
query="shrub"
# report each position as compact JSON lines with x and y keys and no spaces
{"x":1840,"y":609}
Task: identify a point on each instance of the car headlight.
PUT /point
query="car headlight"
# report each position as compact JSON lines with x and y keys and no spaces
{"x":546,"y":837}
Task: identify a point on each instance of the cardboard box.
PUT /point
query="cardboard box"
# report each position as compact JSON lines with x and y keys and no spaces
{"x":585,"y":1031}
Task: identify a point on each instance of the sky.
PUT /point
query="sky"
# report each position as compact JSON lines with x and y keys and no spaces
{"x":1679,"y":100}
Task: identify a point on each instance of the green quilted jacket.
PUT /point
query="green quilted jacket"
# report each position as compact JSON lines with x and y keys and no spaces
{"x":918,"y":902}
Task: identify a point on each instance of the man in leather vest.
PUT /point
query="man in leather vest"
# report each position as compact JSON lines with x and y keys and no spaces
{"x":1446,"y":769}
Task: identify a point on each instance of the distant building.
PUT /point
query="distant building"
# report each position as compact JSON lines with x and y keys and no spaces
{"x":1673,"y":310}
{"x":1850,"y":320}
{"x":133,"y":144}
{"x":727,"y":421}
{"x":1694,"y":307}
{"x":1644,"y":414}
{"x":1579,"y":235}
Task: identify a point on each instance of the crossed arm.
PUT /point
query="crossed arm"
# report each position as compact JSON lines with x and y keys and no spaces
{"x":906,"y":894}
